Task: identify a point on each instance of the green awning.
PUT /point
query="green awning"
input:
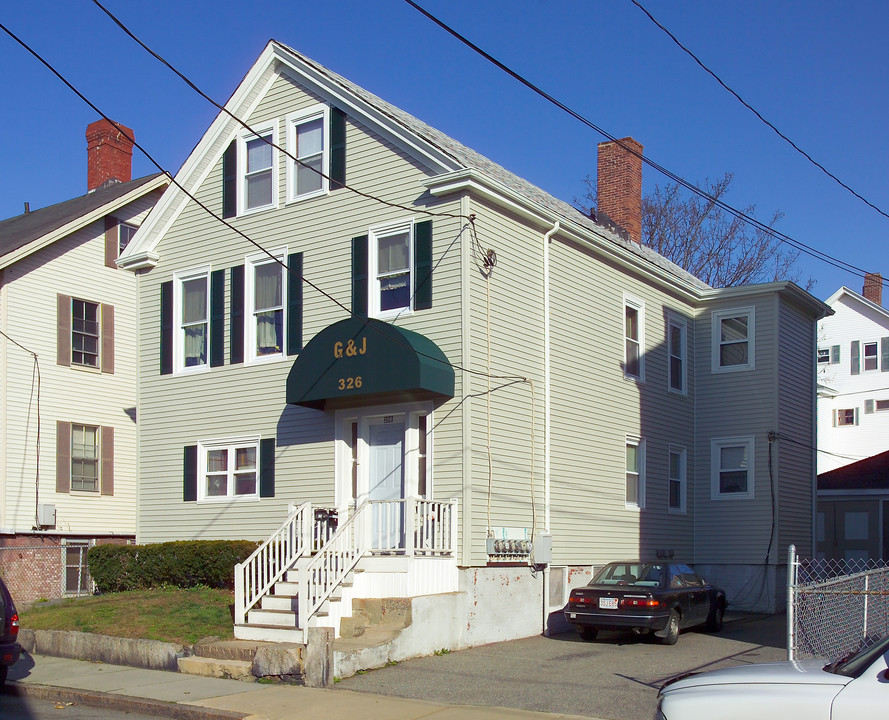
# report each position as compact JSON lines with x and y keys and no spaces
{"x":356,"y":359}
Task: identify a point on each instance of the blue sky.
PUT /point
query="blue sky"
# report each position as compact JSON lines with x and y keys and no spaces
{"x":816,"y":70}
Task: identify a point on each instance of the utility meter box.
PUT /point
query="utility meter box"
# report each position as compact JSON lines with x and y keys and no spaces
{"x":46,"y":515}
{"x":542,"y":549}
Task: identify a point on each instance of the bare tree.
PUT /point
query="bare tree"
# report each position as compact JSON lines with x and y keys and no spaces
{"x":712,"y":244}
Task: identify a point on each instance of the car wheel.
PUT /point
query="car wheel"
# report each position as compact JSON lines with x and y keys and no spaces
{"x":589,"y":633}
{"x":714,"y":622}
{"x":671,"y":632}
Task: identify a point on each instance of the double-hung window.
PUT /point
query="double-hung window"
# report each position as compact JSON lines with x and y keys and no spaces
{"x":634,"y":363}
{"x":256,"y":163}
{"x":85,"y":458}
{"x":391,"y":265}
{"x":265,"y":293}
{"x":84,"y":333}
{"x":635,"y":454}
{"x":733,"y":340}
{"x":869,"y":356}
{"x":676,"y":490}
{"x":125,"y":233}
{"x":308,"y":142}
{"x":192,"y":313}
{"x":676,"y":347}
{"x":731,"y":468}
{"x":229,"y":470}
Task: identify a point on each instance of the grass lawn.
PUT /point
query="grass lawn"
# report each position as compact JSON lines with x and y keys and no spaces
{"x":169,"y":614}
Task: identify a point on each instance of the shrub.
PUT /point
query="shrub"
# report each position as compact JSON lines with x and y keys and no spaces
{"x":184,"y":564}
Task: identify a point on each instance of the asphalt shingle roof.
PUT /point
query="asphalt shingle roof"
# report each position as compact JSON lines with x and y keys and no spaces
{"x":16,"y":232}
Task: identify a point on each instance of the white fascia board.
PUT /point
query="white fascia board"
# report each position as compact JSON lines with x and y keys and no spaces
{"x":870,"y":304}
{"x":82,"y":221}
{"x":789,"y":290}
{"x":194,"y":170}
{"x":471,"y":180}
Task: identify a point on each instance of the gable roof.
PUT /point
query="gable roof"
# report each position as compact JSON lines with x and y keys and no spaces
{"x":24,"y":234}
{"x":438,"y":151}
{"x":869,"y":474}
{"x":857,"y":297}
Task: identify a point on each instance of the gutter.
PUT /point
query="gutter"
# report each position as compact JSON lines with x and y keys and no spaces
{"x":547,"y":376}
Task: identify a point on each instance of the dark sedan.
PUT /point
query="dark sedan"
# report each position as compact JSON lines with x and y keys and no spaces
{"x":9,"y":630}
{"x":645,"y":597}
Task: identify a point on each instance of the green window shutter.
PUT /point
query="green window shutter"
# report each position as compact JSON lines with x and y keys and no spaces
{"x":869,"y":407}
{"x":423,"y":265}
{"x":166,"y":349}
{"x":856,"y":357}
{"x":359,"y":276}
{"x":236,"y":320}
{"x":337,"y":170}
{"x":884,"y":354}
{"x":294,"y":303}
{"x":834,"y":354}
{"x":217,"y":318}
{"x":190,"y":473}
{"x":267,"y":467}
{"x":230,"y":180}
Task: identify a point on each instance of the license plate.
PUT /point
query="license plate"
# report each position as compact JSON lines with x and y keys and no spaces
{"x":572,"y":615}
{"x":608,"y":603}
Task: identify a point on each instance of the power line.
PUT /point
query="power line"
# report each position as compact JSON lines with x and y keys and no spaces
{"x":802,"y":247}
{"x":756,"y":112}
{"x":225,"y":222}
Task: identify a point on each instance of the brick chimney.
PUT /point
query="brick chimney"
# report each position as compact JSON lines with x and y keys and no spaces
{"x":109,"y":154}
{"x":619,"y":184}
{"x":873,"y":288}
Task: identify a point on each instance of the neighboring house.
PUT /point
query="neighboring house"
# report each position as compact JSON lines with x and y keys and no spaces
{"x":491,"y":390}
{"x":853,"y":511}
{"x":853,"y":377}
{"x":68,"y":372}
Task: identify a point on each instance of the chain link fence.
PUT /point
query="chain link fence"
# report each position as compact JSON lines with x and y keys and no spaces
{"x":835,"y":606}
{"x":44,"y":572}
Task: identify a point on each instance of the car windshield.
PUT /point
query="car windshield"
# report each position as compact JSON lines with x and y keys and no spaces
{"x":636,"y":574}
{"x":856,"y":662}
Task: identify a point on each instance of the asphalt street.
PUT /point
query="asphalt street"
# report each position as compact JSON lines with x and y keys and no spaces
{"x":616,"y":676}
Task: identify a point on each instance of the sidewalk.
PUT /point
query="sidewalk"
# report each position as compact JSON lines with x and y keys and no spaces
{"x":175,"y":695}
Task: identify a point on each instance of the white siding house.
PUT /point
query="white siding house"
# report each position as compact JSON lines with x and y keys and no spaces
{"x":853,"y":377}
{"x":490,"y":390}
{"x":68,"y":370}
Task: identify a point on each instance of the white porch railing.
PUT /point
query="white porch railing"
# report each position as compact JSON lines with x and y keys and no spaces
{"x":258,"y":573}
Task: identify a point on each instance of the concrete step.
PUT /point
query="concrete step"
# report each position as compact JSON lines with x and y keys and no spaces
{"x":211,"y":667}
{"x":269,"y":633}
{"x":278,"y":618}
{"x":244,"y":650}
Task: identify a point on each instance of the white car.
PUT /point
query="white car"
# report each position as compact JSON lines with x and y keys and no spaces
{"x":851,"y":688}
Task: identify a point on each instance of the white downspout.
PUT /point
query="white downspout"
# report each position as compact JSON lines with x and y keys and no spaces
{"x":547,"y":239}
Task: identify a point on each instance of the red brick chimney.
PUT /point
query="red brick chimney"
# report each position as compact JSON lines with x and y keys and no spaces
{"x":873,"y":288}
{"x":109,"y":154}
{"x":620,"y":185}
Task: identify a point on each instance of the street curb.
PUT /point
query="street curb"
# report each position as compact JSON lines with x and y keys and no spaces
{"x":124,"y":703}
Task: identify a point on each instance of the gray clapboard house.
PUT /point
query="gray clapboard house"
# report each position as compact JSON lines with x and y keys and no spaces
{"x":414,"y":375}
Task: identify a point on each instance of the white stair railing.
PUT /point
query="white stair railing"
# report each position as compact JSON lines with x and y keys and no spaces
{"x":332,"y":563}
{"x":258,"y":573}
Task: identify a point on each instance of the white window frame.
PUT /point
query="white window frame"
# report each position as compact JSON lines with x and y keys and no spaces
{"x":823,"y":356}
{"x":250,"y":264}
{"x":261,"y":130}
{"x":716,"y":355}
{"x":639,"y":306}
{"x":884,"y":403}
{"x":293,"y":121}
{"x":639,"y":443}
{"x":179,"y":278}
{"x":716,"y":445}
{"x":97,"y":460}
{"x":836,"y":417}
{"x":375,"y":234}
{"x":675,"y":321}
{"x":84,"y":333}
{"x":125,"y":228}
{"x":230,"y":445}
{"x":875,"y":356}
{"x":682,"y":479}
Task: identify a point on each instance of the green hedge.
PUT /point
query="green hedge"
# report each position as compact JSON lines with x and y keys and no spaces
{"x":183,"y":564}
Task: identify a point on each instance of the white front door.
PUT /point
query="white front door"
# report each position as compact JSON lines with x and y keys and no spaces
{"x":386,"y":480}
